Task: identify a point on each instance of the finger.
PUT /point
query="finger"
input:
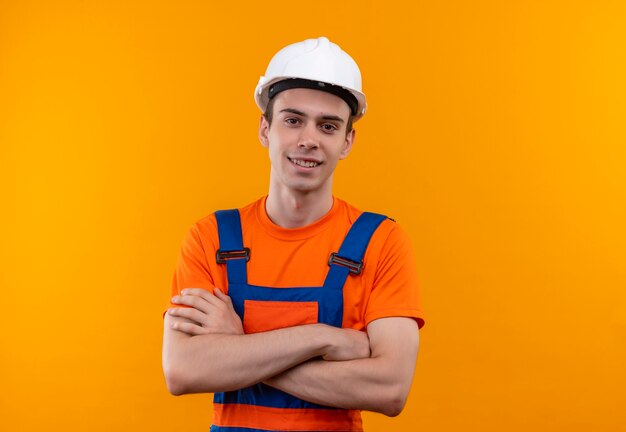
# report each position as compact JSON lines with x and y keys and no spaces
{"x":188,"y":328}
{"x":208,"y":296}
{"x":220,"y":295}
{"x":194,"y":301}
{"x":200,"y":292}
{"x":189,"y":313}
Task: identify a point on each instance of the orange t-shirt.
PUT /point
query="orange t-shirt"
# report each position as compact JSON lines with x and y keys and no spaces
{"x":298,"y":257}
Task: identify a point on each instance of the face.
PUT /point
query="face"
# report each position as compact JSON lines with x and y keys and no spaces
{"x":306,"y":139}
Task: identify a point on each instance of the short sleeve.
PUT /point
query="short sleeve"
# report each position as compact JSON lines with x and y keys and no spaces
{"x":395,"y":291}
{"x":192,"y":269}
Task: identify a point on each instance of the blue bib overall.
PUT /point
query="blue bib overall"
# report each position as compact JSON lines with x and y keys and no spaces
{"x":328,"y":300}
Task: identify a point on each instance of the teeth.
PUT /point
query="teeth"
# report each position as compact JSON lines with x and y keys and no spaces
{"x":306,"y":164}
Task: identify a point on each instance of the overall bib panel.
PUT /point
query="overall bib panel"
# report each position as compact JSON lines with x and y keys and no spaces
{"x":261,"y":407}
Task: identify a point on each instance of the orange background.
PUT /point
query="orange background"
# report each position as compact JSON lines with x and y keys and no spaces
{"x":495,"y":136}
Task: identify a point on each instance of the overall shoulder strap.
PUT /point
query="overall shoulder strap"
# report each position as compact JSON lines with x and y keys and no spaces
{"x":231,"y":251}
{"x":349,"y":259}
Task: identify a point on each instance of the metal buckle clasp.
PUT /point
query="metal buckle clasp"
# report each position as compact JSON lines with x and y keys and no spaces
{"x":354,"y":266}
{"x":222,"y":256}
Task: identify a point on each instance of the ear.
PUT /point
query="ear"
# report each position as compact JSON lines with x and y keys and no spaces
{"x":347,"y":145}
{"x":264,"y":128}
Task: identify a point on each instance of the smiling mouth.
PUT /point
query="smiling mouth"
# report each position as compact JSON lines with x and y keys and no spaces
{"x":304,"y":163}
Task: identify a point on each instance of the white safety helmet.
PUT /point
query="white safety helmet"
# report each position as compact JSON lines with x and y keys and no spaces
{"x":314,"y":63}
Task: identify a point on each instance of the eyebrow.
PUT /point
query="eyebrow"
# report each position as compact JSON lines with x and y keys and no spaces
{"x":300,"y":113}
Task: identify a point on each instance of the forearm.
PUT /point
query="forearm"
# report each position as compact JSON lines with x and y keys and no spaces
{"x":380,"y":383}
{"x":356,"y":384}
{"x":222,"y":362}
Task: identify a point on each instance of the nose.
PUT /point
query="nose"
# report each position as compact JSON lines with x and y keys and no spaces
{"x":308,"y":138}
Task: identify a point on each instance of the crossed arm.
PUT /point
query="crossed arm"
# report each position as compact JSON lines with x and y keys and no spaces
{"x":205,"y":350}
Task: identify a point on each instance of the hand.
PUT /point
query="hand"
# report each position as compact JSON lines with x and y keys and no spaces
{"x":209,"y":313}
{"x":348,"y":344}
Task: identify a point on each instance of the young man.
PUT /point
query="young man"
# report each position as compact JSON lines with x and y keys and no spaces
{"x":297,"y":310}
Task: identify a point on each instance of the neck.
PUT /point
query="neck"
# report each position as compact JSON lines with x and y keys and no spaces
{"x":289,"y":209}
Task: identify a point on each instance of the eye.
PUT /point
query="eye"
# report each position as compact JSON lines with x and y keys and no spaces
{"x":329,"y":127}
{"x":292,"y":121}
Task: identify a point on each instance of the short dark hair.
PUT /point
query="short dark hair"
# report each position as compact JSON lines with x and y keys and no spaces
{"x":269,"y":115}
